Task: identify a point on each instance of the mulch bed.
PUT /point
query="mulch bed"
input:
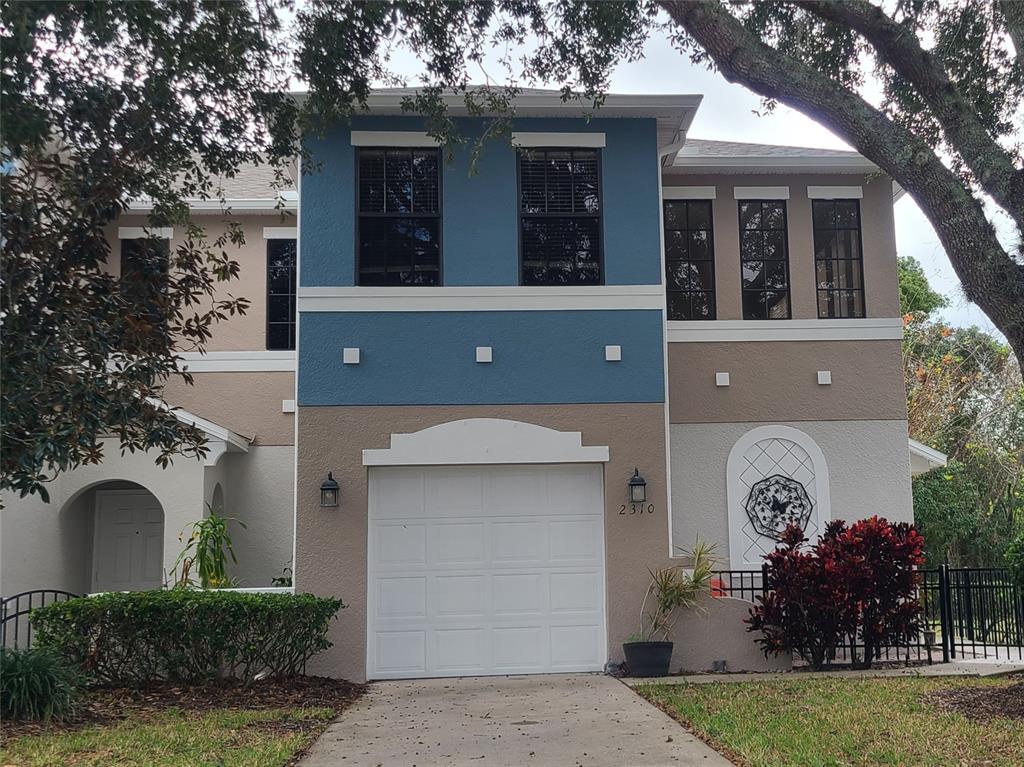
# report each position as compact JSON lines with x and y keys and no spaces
{"x":982,"y":703}
{"x":108,"y":705}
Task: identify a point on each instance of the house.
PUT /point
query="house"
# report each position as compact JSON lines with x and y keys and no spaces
{"x":503,"y":392}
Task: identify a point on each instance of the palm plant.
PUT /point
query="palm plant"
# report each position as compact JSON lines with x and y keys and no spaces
{"x":673,"y":588}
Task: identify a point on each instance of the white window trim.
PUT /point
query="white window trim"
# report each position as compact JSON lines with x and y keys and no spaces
{"x":835,"y":192}
{"x":481,"y":299}
{"x":280,"y":232}
{"x":689,"y":193}
{"x":760,"y":192}
{"x":485,"y":441}
{"x":573,"y":140}
{"x":392,"y":138}
{"x":852,"y":329}
{"x":270,"y":361}
{"x":144,"y":232}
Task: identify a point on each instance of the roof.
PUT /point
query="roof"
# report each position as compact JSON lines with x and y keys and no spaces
{"x":924,"y":458}
{"x":699,"y":155}
{"x":254,"y":188}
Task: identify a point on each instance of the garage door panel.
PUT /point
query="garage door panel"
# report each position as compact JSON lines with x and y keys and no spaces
{"x":454,"y":490}
{"x":519,"y":648}
{"x":402,"y":597}
{"x":576,"y":541}
{"x":518,"y":543}
{"x":576,"y":646}
{"x":401,"y":652}
{"x":575,"y":592}
{"x":401,"y":544}
{"x":458,"y":543}
{"x":518,"y":594}
{"x":462,"y":650}
{"x":397,"y":493}
{"x":461,"y":596}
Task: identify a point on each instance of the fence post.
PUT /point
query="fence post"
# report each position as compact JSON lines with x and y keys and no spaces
{"x":945,"y":624}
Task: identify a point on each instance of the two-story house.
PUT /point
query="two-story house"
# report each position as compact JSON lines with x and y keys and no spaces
{"x":521,"y":383}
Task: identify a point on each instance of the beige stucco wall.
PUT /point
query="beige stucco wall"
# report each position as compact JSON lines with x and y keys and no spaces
{"x":877,"y":230}
{"x":868,"y":468}
{"x":331,"y":543}
{"x":246,"y":403}
{"x":777,"y":381}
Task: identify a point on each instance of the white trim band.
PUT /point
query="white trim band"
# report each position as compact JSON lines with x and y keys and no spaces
{"x":145,"y":232}
{"x":760,"y":192}
{"x":240,"y":362}
{"x":280,"y":232}
{"x":869,"y":329}
{"x":583,"y":140}
{"x":835,"y":192}
{"x":392,"y":138}
{"x":689,"y":193}
{"x":480,"y":299}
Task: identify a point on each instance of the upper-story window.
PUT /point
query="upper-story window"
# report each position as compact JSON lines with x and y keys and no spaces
{"x":399,"y":226}
{"x":560,"y":216}
{"x":144,"y":265}
{"x":764,"y":257}
{"x":838,"y":258}
{"x":689,"y":260}
{"x":281,"y":294}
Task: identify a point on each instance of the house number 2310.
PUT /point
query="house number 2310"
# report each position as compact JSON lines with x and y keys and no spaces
{"x":635,"y":508}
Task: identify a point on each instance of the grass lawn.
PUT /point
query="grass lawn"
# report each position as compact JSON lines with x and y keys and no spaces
{"x":844,"y":722}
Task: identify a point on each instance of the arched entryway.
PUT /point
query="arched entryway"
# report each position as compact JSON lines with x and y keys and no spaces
{"x":126,"y":536}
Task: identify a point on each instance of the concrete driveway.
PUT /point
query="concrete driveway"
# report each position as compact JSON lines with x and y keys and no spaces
{"x":579,"y":719}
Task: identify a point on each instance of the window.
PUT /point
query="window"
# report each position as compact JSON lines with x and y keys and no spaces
{"x":144,"y":265}
{"x":838,"y":258}
{"x":689,"y":260}
{"x":560,"y":216}
{"x":399,"y":227}
{"x":280,"y":294}
{"x":764,"y":257}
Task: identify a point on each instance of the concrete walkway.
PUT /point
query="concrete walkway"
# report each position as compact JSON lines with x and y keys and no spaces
{"x":562,"y":720}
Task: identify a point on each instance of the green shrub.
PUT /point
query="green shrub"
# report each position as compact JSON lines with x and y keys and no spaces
{"x":1015,"y":559}
{"x":36,"y":684}
{"x":183,"y":635}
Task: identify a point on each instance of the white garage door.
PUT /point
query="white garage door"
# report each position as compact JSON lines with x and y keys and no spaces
{"x":485,"y":570}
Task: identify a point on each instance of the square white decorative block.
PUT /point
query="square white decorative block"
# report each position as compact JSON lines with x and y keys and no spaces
{"x":721,"y":379}
{"x":350,"y":355}
{"x":484,"y":354}
{"x":825,"y":377}
{"x":613,"y":353}
{"x":287,"y":406}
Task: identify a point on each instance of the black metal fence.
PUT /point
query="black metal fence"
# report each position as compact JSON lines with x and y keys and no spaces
{"x":967,"y":613}
{"x":15,"y":629}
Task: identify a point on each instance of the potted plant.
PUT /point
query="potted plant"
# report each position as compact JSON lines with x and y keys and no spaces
{"x":649,"y":651}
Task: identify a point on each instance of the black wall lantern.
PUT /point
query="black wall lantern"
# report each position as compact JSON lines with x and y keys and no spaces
{"x":637,"y":488}
{"x":329,"y":492}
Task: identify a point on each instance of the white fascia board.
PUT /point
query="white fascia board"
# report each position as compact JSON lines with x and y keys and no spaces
{"x":583,"y":140}
{"x":481,"y":299}
{"x":280,"y":232}
{"x":234,"y":441}
{"x":144,"y":232}
{"x":923,"y":458}
{"x":392,"y":138}
{"x":810,"y":164}
{"x":835,"y":192}
{"x":713,"y":331}
{"x":760,"y":192}
{"x":239,"y":362}
{"x":689,"y":192}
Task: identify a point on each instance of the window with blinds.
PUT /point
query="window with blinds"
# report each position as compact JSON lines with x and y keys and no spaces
{"x":689,"y":260}
{"x":280,"y":294}
{"x":399,"y":222}
{"x":764,"y":259}
{"x":838,"y":258}
{"x":560,"y":216}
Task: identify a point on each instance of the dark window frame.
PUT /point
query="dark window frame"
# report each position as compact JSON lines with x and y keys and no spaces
{"x":785,"y":239}
{"x":137,"y":296}
{"x":520,"y":214}
{"x":438,"y":214}
{"x":294,"y":281}
{"x":859,"y":258}
{"x":713,"y":292}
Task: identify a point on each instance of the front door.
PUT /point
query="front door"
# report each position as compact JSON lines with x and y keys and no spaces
{"x":129,"y":541}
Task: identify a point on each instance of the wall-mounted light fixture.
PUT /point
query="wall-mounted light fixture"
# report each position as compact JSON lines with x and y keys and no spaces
{"x":637,"y":488}
{"x":329,"y":492}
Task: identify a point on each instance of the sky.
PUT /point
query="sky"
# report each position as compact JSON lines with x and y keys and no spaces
{"x":727,"y":113}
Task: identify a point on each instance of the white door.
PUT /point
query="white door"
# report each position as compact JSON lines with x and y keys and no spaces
{"x":485,"y":570}
{"x":128,"y":547}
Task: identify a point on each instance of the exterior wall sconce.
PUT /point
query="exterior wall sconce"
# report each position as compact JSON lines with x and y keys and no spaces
{"x":328,"y":492}
{"x":637,"y":488}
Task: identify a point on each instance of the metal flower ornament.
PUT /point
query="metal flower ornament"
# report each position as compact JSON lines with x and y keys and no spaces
{"x":776,"y":502}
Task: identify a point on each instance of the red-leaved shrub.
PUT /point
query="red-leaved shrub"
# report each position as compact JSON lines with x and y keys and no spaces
{"x":856,"y":581}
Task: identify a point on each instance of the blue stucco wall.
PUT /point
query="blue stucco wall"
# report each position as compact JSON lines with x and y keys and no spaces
{"x":480,"y":224}
{"x":410,"y":358}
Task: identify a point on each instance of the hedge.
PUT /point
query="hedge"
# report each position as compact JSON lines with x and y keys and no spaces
{"x":183,"y":635}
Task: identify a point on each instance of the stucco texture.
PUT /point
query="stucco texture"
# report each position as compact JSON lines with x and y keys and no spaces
{"x":331,"y":543}
{"x":868,"y":469}
{"x":877,"y":232}
{"x":778,"y":381}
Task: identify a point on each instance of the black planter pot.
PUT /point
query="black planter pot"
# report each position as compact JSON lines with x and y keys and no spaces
{"x":647,"y":658}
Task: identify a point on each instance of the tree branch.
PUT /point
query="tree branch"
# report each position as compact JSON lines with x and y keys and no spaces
{"x":1013,"y":13}
{"x":989,"y":275}
{"x":993,"y":167}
